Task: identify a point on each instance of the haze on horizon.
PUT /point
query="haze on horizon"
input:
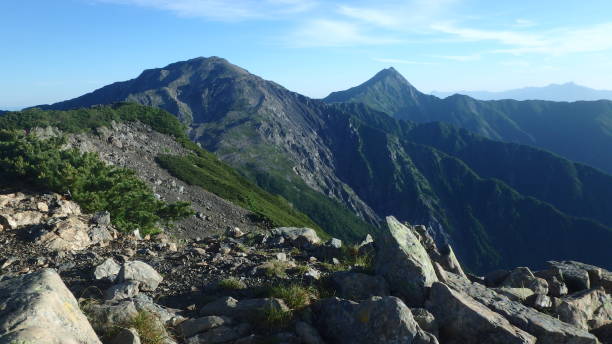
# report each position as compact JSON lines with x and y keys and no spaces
{"x":62,"y":49}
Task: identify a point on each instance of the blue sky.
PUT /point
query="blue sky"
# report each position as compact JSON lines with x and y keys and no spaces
{"x":58,"y":49}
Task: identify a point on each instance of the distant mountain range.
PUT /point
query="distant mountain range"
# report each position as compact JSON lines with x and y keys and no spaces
{"x":568,"y":92}
{"x":383,"y":148}
{"x":579,"y":131}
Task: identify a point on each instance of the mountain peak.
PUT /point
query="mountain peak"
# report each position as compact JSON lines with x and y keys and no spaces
{"x":388,"y":74}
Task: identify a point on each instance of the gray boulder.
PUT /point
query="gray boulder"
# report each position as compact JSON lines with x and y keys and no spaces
{"x":101,"y":218}
{"x":298,"y":237}
{"x":38,"y":308}
{"x":126,"y":336}
{"x":192,"y":327}
{"x":522,"y":277}
{"x":140,"y":272}
{"x":464,"y":320}
{"x":69,"y":234}
{"x":221,"y":334}
{"x":122,"y":291}
{"x":426,"y":320}
{"x":404,"y":263}
{"x":307,"y":333}
{"x":108,"y":270}
{"x":575,"y":276}
{"x":598,"y":277}
{"x":589,"y":309}
{"x":547,"y":329}
{"x":377,"y":320}
{"x":358,"y":286}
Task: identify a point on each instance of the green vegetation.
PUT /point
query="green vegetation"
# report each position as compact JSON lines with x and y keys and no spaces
{"x":149,"y":328}
{"x":231,"y":283}
{"x":296,"y":296}
{"x":206,"y":171}
{"x":334,"y":218}
{"x":88,"y":119}
{"x":200,"y":168}
{"x":94,"y":185}
{"x":271,"y":319}
{"x":276,"y":268}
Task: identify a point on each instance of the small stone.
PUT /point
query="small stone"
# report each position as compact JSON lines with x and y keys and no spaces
{"x":235,"y":232}
{"x":102,"y":218}
{"x":335,"y":261}
{"x":42,"y":206}
{"x":172,"y":247}
{"x":281,"y":256}
{"x":335,"y":243}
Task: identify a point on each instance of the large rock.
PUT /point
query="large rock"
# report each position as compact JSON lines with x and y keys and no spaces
{"x":575,"y":276}
{"x":192,"y":327}
{"x":358,"y":286}
{"x":38,"y":308}
{"x":221,"y":334}
{"x":547,"y":329}
{"x":108,"y":270}
{"x":404,"y":263}
{"x":140,"y":272}
{"x":20,"y":219}
{"x":243,"y":309}
{"x":588,"y":309}
{"x":69,"y":234}
{"x":298,"y":237}
{"x":522,"y":277}
{"x":377,"y":320}
{"x":598,"y":277}
{"x":464,"y":320}
{"x":307,"y":333}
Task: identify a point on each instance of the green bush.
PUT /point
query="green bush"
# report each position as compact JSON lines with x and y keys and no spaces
{"x":91,"y":183}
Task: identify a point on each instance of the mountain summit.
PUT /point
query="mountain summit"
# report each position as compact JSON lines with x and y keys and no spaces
{"x":387,"y":91}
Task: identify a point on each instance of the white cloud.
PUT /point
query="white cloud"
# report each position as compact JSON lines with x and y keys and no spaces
{"x":460,"y":58}
{"x":225,"y":10}
{"x":333,"y":33}
{"x":555,"y":42}
{"x":399,"y":15}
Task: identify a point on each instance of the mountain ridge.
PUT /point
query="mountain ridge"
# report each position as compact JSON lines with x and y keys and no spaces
{"x":566,"y":92}
{"x":369,"y":162}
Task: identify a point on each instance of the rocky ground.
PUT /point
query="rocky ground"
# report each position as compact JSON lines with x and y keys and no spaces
{"x":134,"y":145}
{"x":67,"y":277}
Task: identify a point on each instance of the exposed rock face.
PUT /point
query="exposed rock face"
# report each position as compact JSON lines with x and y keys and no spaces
{"x":69,"y":234}
{"x":464,"y":320}
{"x":358,"y":286}
{"x":378,"y":320}
{"x":590,"y":309}
{"x":38,"y":308}
{"x":546,"y":328}
{"x":522,"y":277}
{"x":404,"y":263}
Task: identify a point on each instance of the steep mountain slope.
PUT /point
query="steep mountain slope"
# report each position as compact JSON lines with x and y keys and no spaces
{"x":120,"y":136}
{"x":580,"y":131}
{"x":375,"y":165}
{"x":568,"y":92}
{"x":262,"y":129}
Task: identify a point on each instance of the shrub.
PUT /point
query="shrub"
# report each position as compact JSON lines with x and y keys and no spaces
{"x":91,"y":183}
{"x":231,"y":283}
{"x":272,"y":319}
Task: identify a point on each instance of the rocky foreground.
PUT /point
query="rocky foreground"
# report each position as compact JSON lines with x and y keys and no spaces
{"x":68,"y":277}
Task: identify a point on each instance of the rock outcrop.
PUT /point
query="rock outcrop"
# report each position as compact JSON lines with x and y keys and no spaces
{"x":38,"y":308}
{"x":404,"y":263}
